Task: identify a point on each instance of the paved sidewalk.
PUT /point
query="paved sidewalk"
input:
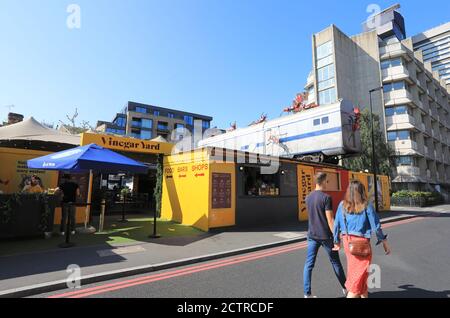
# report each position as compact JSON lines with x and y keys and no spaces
{"x":22,"y":274}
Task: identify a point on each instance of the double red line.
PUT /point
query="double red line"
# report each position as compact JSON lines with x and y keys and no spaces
{"x":176,"y":273}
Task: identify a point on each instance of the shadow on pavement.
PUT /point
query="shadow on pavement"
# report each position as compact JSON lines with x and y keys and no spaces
{"x":410,"y":291}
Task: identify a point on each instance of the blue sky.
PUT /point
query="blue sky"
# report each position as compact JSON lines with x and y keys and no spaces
{"x":231,"y":59}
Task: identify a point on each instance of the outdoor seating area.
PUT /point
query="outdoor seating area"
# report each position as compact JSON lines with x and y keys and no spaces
{"x":136,"y":230}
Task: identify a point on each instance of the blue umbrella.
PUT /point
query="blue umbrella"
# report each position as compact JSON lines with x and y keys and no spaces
{"x":86,"y":158}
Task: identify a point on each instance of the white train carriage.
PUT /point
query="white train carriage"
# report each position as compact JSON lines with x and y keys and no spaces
{"x":313,"y":134}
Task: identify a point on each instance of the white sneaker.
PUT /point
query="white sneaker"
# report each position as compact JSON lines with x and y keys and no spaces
{"x":63,"y":233}
{"x":310,"y":296}
{"x":73,"y":232}
{"x":345,"y":292}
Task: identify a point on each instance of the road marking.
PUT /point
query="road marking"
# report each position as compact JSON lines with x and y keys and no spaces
{"x":197,"y":268}
{"x":289,"y":235}
{"x":188,"y":270}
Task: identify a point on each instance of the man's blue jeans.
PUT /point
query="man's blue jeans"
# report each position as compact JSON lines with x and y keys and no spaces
{"x":313,"y":248}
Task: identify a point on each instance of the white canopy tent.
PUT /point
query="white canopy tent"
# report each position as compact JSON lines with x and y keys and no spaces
{"x":31,"y":130}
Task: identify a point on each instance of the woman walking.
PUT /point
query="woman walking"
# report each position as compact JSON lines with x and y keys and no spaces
{"x":356,"y":219}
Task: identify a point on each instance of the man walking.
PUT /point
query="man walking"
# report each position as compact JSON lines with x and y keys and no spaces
{"x":320,"y":233}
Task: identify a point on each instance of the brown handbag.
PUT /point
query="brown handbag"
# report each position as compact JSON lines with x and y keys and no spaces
{"x":360,"y":248}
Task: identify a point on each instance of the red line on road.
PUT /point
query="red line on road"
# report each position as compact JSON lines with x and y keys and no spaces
{"x":203,"y":266}
{"x":197,"y":268}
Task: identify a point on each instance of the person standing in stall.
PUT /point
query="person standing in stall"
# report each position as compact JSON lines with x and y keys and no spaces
{"x":70,"y":191}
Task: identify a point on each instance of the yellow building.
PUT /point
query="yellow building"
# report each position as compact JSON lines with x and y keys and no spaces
{"x":203,"y":190}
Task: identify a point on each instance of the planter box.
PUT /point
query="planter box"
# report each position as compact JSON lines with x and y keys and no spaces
{"x":26,"y":217}
{"x":414,"y":202}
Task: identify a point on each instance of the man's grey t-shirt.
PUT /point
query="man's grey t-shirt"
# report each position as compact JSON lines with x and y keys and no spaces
{"x":317,"y":203}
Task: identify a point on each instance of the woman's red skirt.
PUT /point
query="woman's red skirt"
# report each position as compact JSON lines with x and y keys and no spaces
{"x":357,"y":267}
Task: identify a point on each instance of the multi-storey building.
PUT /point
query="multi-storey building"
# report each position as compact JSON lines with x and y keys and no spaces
{"x":148,"y":122}
{"x":412,"y":100}
{"x":435,"y":47}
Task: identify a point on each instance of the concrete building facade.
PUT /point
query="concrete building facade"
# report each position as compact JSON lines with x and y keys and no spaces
{"x":413,"y":104}
{"x":148,"y":122}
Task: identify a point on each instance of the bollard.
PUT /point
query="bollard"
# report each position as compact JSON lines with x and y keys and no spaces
{"x":102,"y":215}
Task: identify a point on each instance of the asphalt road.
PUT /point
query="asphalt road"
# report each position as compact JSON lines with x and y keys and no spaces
{"x":418,"y":267}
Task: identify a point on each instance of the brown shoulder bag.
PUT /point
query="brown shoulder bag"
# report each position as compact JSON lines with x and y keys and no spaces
{"x":359,"y":248}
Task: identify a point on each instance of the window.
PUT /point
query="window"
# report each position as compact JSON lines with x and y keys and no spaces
{"x":327,"y":96}
{"x":317,"y":122}
{"x":391,"y":63}
{"x":399,"y":135}
{"x":324,"y":50}
{"x":136,"y":122}
{"x":170,"y":115}
{"x":394,"y":86}
{"x":257,"y":184}
{"x":325,"y":120}
{"x":404,"y":161}
{"x":189,"y":120}
{"x":147,"y":123}
{"x":398,"y":110}
{"x":145,"y":134}
{"x":163,"y":126}
{"x":205,"y":124}
{"x":403,"y":134}
{"x":325,"y":61}
{"x":389,"y":111}
{"x":136,"y":133}
{"x":325,"y":73}
{"x":179,"y":127}
{"x":156,"y":113}
{"x":120,"y":121}
{"x":392,"y":136}
{"x":141,"y":110}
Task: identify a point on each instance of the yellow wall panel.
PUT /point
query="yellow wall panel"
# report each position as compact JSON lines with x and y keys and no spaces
{"x":185,"y":196}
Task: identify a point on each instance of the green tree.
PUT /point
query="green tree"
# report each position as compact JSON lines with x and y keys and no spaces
{"x":383,"y":151}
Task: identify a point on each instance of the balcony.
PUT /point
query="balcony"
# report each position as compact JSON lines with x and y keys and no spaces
{"x":396,"y":73}
{"x":162,"y":128}
{"x":408,"y":170}
{"x":136,"y":124}
{"x":310,"y":80}
{"x":404,"y":147}
{"x":398,"y":122}
{"x":394,"y":50}
{"x":398,"y":97}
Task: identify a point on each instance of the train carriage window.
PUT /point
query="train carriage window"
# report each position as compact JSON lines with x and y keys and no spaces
{"x":325,"y":120}
{"x":317,"y":122}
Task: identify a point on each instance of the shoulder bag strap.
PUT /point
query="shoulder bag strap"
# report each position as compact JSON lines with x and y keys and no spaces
{"x":344,"y":213}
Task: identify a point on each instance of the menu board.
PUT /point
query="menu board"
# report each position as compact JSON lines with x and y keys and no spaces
{"x":221,"y":190}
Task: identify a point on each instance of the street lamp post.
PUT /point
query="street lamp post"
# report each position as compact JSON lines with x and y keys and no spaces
{"x":374,"y":159}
